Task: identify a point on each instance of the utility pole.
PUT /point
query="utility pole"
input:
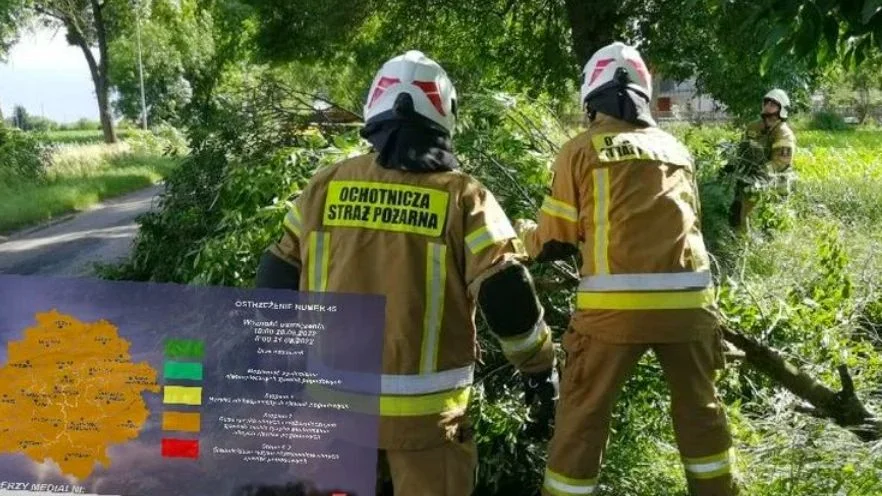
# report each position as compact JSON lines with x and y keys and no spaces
{"x":141,"y":68}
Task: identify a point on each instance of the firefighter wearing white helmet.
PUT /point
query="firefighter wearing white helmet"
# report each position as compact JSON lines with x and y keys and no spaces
{"x":624,"y":197}
{"x":424,"y":82}
{"x":773,"y":143}
{"x":616,"y":82}
{"x":404,"y":222}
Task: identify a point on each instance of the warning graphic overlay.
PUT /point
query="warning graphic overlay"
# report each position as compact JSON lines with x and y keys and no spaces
{"x":112,"y":388}
{"x":69,"y":389}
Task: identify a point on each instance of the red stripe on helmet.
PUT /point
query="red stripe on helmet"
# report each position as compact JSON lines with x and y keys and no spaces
{"x":432,"y":92}
{"x":640,"y":68}
{"x":382,"y":85}
{"x":599,"y":67}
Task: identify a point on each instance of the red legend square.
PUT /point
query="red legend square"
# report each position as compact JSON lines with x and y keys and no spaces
{"x":180,"y":448}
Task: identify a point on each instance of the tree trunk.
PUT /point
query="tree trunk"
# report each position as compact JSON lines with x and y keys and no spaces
{"x":101,"y":88}
{"x":97,"y":68}
{"x":102,"y":84}
{"x":594,"y":24}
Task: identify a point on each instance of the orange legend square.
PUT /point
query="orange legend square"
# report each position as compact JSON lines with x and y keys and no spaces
{"x":181,"y":421}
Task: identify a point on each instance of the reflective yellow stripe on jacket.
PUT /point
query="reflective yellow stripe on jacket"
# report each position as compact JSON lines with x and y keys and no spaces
{"x":319,"y":255}
{"x":402,"y":395}
{"x":675,"y":290}
{"x":560,"y":209}
{"x":601,"y":220}
{"x":436,"y":279}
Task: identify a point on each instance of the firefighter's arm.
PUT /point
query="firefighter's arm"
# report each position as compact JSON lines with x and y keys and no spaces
{"x":783,"y":149}
{"x":555,"y":234}
{"x":280,"y":265}
{"x":502,"y":285}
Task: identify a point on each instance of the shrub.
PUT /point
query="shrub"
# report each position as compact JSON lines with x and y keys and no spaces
{"x":22,"y":156}
{"x":160,"y":140}
{"x":827,"y":121}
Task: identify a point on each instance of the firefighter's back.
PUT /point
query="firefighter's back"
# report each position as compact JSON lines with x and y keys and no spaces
{"x":399,"y":234}
{"x":645,"y":258}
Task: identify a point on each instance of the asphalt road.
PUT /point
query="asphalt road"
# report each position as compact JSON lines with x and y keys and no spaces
{"x":70,"y":247}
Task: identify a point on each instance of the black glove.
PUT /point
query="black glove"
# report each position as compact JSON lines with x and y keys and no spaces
{"x":541,"y":391}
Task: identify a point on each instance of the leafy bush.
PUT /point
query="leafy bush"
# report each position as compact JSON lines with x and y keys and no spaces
{"x":22,"y":156}
{"x":827,"y":121}
{"x":163,"y":139}
{"x":225,"y":203}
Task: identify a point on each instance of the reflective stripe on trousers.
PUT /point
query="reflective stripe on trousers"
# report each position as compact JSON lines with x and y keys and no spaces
{"x":559,"y":485}
{"x":709,"y":467}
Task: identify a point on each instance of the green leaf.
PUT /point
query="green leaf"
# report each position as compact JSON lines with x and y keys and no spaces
{"x":823,"y":54}
{"x":831,"y":32}
{"x":871,"y":8}
{"x":769,"y":55}
{"x":777,"y":34}
{"x":807,"y":34}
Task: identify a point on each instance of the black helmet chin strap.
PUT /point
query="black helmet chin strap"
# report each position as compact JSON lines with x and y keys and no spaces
{"x":620,"y":100}
{"x":408,"y":141}
{"x":621,"y":79}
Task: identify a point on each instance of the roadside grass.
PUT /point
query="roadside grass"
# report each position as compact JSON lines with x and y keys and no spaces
{"x":81,"y":136}
{"x":78,"y":177}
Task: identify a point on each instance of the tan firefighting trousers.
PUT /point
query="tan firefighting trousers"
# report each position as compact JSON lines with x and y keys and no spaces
{"x":739,"y":211}
{"x":448,"y":470}
{"x":594,"y":373}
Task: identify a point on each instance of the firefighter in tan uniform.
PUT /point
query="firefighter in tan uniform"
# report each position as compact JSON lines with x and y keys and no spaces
{"x":766,"y":161}
{"x":403,"y":222}
{"x":623,"y":196}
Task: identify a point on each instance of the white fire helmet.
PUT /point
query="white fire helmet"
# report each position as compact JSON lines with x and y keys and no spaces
{"x":780,"y":97}
{"x":600,"y":71}
{"x":431,"y":90}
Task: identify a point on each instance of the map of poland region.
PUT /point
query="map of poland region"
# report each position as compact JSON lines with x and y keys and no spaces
{"x":69,"y":390}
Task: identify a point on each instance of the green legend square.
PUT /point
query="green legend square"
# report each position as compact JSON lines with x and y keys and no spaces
{"x":184,"y":348}
{"x":183,"y":370}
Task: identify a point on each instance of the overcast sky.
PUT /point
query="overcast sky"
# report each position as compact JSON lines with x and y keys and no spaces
{"x":48,"y":77}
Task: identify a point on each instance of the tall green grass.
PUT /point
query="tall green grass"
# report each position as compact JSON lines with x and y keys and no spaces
{"x":807,"y":287}
{"x":78,"y":177}
{"x":81,"y":136}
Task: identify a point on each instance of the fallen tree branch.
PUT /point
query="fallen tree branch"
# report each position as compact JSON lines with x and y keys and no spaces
{"x":843,"y":407}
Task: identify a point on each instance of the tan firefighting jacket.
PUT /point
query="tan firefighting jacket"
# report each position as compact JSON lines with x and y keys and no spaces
{"x":778,"y":143}
{"x":426,"y":241}
{"x":626,"y":198}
